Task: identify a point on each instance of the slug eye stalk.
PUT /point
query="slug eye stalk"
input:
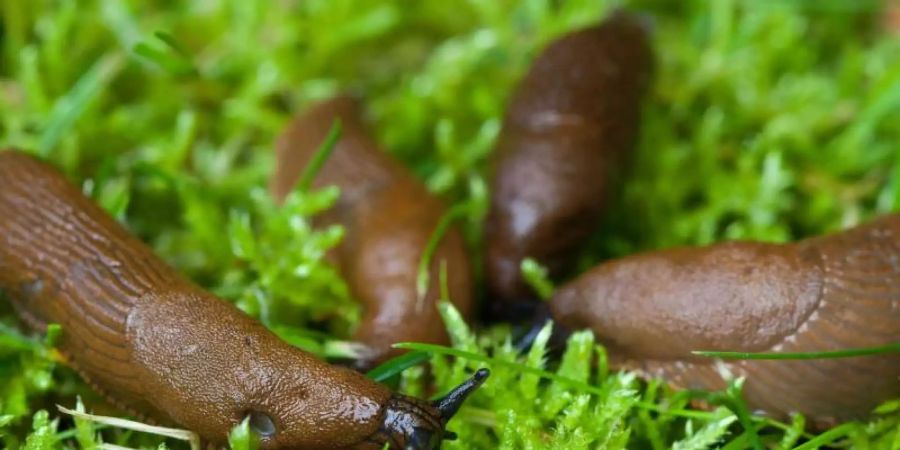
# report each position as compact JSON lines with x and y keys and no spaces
{"x":417,"y":425}
{"x":449,"y":405}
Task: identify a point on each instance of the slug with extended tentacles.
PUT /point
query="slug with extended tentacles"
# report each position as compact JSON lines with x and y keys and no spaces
{"x":389,"y":217}
{"x":570,"y":126}
{"x":833,"y":292}
{"x":158,"y":346}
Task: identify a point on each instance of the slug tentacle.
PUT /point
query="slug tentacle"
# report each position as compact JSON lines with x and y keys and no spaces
{"x":413,"y":424}
{"x":156,"y":344}
{"x":450,"y":403}
{"x":834,"y":292}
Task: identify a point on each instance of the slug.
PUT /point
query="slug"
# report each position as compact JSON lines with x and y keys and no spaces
{"x":160,"y":347}
{"x":832,"y":292}
{"x":388,"y":218}
{"x":569,"y":129}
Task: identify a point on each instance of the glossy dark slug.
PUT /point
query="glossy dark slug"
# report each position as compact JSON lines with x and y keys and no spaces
{"x":570,"y":126}
{"x":833,"y":292}
{"x":389,"y":217}
{"x":160,"y":347}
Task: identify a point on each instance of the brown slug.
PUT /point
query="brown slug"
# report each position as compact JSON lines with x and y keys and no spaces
{"x":160,"y":347}
{"x":832,"y":292}
{"x":389,"y":217}
{"x":568,"y":130}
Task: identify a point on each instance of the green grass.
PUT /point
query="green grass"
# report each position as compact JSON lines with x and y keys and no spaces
{"x":771,"y":120}
{"x":848,"y":353}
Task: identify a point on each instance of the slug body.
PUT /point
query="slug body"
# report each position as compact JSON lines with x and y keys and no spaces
{"x":160,"y":347}
{"x":834,"y":292}
{"x":389,"y":218}
{"x":568,"y":130}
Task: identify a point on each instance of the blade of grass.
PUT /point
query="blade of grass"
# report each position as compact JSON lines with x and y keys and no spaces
{"x":827,"y":437}
{"x":850,"y":353}
{"x":54,"y":331}
{"x":242,"y":437}
{"x":192,"y":438}
{"x":396,"y":365}
{"x":171,"y":61}
{"x":536,"y":276}
{"x":171,"y":42}
{"x":322,"y":155}
{"x":440,"y":230}
{"x":12,"y":339}
{"x":106,"y":446}
{"x":71,"y":106}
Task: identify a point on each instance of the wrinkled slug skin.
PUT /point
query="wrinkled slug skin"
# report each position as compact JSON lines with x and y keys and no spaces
{"x":389,"y":217}
{"x":153,"y":342}
{"x":570,"y":127}
{"x":833,"y":292}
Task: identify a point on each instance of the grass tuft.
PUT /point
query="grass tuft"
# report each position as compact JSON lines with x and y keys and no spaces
{"x":848,"y":353}
{"x":769,"y":120}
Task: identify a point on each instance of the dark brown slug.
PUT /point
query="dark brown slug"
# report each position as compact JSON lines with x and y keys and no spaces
{"x":159,"y":346}
{"x":833,"y":292}
{"x":570,"y":126}
{"x":389,"y":217}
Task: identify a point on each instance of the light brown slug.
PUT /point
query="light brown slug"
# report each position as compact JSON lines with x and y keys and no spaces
{"x":389,"y":216}
{"x":833,"y":292}
{"x":158,"y":346}
{"x":570,"y":127}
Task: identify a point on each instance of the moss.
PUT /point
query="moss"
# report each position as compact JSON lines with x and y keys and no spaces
{"x":769,"y":119}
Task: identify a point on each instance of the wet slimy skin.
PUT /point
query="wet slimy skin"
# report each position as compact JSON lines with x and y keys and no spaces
{"x":389,"y":217}
{"x":834,"y":292}
{"x":568,"y":131}
{"x":160,"y":347}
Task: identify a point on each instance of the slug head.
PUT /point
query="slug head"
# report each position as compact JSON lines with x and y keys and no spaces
{"x":414,"y":424}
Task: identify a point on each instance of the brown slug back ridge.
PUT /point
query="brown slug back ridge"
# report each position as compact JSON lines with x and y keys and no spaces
{"x":159,"y":346}
{"x":834,"y":292}
{"x":570,"y":126}
{"x":389,"y":217}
